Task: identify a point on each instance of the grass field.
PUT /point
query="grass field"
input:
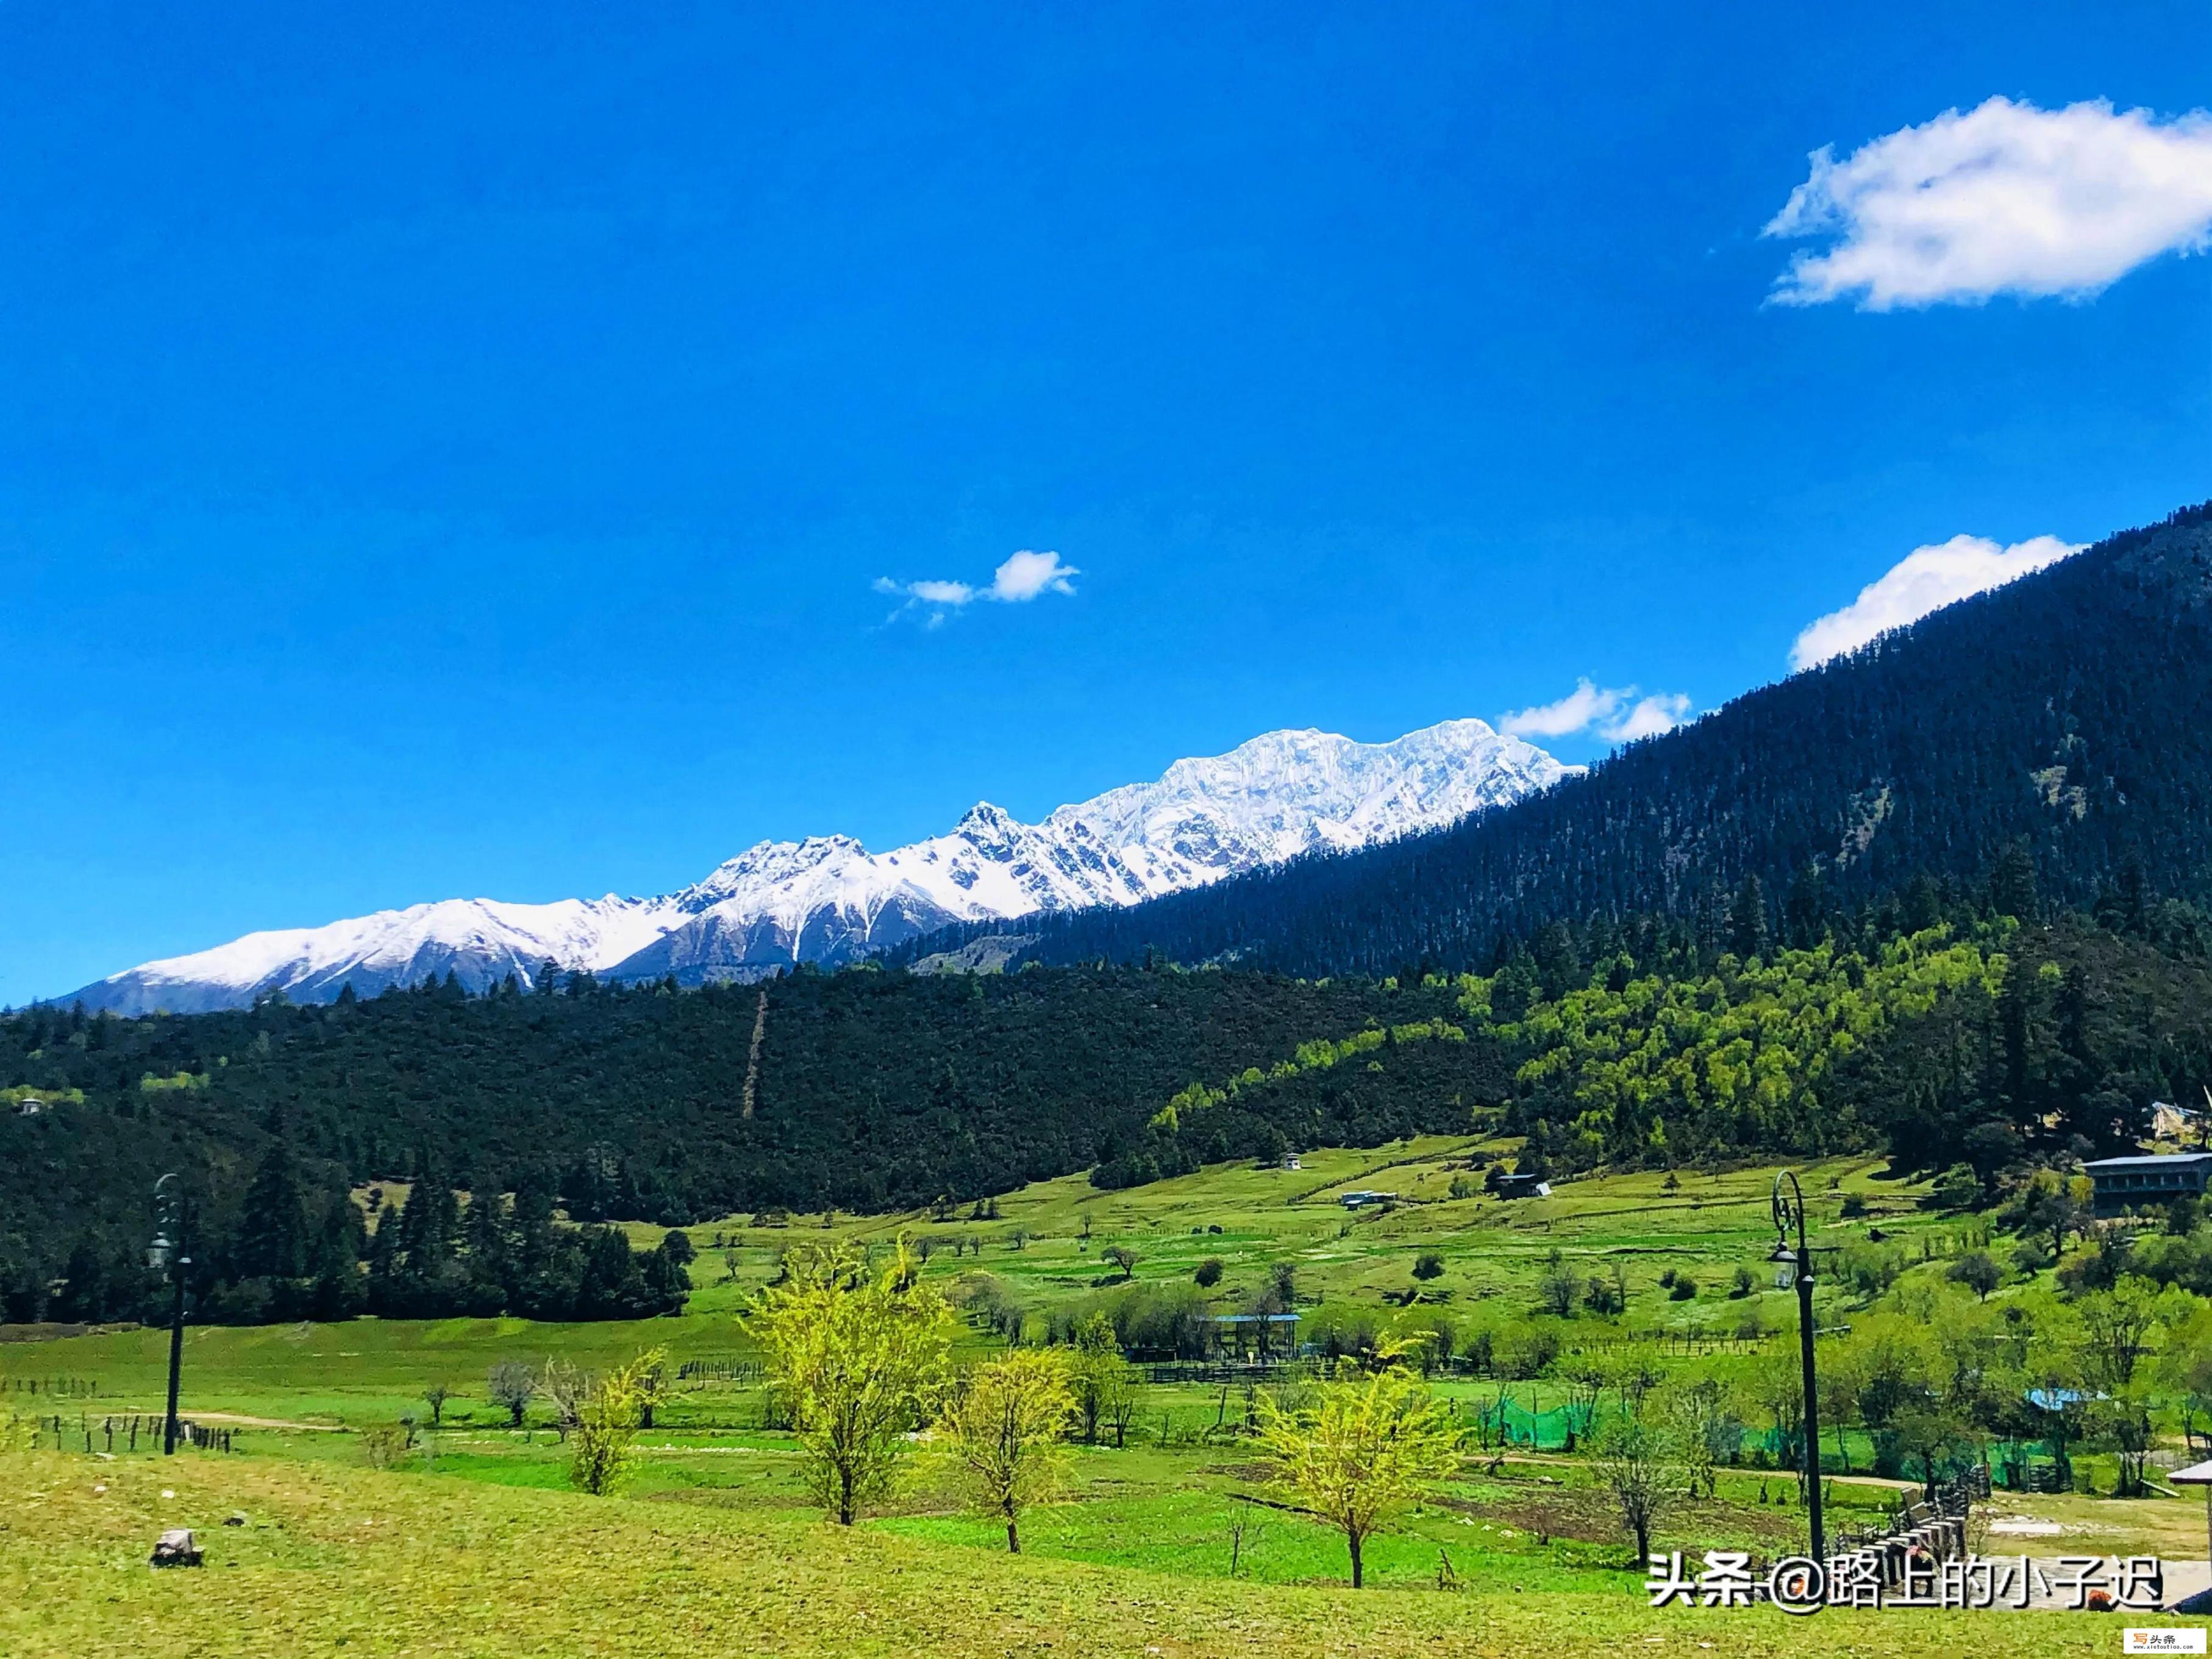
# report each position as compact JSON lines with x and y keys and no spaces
{"x":331,"y":1559}
{"x":473,"y":1543}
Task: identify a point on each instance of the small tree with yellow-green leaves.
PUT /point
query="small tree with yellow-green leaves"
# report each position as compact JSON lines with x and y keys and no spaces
{"x":607,"y":1419}
{"x":1005,"y":1429}
{"x":1360,"y":1451}
{"x":859,"y":1357}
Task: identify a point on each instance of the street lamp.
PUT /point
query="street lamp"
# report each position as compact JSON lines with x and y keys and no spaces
{"x":1789,"y":1211}
{"x":166,"y":1254}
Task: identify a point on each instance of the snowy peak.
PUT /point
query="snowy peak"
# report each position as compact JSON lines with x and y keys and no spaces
{"x":828,"y":899}
{"x":481,"y":941}
{"x":1287,"y":792}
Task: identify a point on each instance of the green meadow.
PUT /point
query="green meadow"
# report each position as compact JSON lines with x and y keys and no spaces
{"x":471,"y":1540}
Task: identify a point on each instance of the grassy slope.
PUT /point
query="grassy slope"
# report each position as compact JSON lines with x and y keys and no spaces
{"x":1491,"y":1251}
{"x":716,"y":1549}
{"x":333,"y":1559}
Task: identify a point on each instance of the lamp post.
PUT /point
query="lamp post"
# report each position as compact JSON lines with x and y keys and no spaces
{"x":1789,"y":1211}
{"x":166,"y":1254}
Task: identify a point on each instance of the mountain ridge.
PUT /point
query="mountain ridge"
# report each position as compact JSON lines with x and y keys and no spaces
{"x":2069,"y":712}
{"x":827,"y":899}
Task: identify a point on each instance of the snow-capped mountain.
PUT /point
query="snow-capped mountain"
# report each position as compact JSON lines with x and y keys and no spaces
{"x":828,"y":899}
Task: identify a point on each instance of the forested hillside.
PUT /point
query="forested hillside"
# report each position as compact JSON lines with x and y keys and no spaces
{"x":1943,"y":898}
{"x":1953,"y":1031}
{"x":2073,"y":709}
{"x":873,"y":1090}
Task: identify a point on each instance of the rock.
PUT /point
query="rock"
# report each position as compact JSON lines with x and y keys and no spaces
{"x":235,"y":1521}
{"x":177,"y":1548}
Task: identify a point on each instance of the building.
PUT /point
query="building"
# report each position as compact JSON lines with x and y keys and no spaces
{"x":2133,"y":1183}
{"x":1265,"y":1334}
{"x":1523,"y":1186}
{"x":1290,"y":1160}
{"x":1363,"y":1198}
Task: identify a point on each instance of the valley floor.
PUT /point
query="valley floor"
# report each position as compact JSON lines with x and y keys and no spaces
{"x":472,"y":1543}
{"x":330,"y":1560}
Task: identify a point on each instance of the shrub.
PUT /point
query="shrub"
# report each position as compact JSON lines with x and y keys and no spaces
{"x":1525,"y":1349}
{"x":1957,"y":1188}
{"x":1555,"y":1286}
{"x":1744,"y":1283}
{"x":608,"y":1420}
{"x":1683,"y":1289}
{"x":383,"y":1444}
{"x":1977,"y":1272}
{"x":511,"y":1385}
{"x":1209,"y":1272}
{"x":1428,"y":1265}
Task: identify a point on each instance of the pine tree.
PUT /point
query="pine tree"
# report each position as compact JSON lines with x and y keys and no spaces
{"x":273,"y":1240}
{"x":1747,"y":922}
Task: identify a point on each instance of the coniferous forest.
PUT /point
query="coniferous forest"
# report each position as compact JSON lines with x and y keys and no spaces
{"x":2073,"y":709}
{"x":1943,"y":898}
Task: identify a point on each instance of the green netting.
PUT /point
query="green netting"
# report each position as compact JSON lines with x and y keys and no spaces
{"x":1507,"y":1422}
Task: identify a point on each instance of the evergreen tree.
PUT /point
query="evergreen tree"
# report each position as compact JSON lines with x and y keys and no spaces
{"x":1747,"y":922}
{"x":273,"y":1240}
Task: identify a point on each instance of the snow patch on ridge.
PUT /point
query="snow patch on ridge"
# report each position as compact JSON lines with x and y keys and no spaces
{"x":828,"y":899}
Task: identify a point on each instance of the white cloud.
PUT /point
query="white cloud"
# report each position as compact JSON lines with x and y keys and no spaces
{"x":1026,"y":574}
{"x":2006,"y":199}
{"x":1023,"y":577}
{"x":1647,"y":717}
{"x":1927,"y":579}
{"x":1580,"y":708}
{"x":1617,"y":714}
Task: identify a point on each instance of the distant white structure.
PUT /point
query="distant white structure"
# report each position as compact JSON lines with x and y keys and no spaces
{"x":1290,"y":1162}
{"x":2171,"y":1122}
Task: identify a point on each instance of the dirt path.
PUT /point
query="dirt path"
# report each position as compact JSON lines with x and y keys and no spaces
{"x":239,"y":1420}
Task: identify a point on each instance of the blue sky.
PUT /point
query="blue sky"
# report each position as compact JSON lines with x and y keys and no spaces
{"x":463,"y":450}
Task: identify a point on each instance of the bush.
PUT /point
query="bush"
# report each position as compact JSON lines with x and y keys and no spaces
{"x":1977,"y":1272}
{"x":383,"y":1444}
{"x":2032,"y":1256}
{"x":607,"y":1421}
{"x":511,"y":1385}
{"x":1209,"y":1272}
{"x":1428,"y":1265}
{"x":1524,"y":1349}
{"x":1683,"y":1289}
{"x":1957,"y":1188}
{"x":1743,"y":1284}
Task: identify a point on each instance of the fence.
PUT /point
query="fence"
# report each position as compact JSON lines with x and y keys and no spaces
{"x":1935,"y":1527}
{"x":719,"y":1371}
{"x":2017,"y":1467}
{"x":59,"y":1387}
{"x":1215,"y":1372}
{"x":1679,"y":1345}
{"x":100,"y":1436}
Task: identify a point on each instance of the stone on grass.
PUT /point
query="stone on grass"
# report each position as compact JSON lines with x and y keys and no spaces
{"x":177,"y":1548}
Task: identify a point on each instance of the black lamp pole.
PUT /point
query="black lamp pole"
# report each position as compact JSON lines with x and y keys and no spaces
{"x":172,"y":1215}
{"x":1788,"y":1211}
